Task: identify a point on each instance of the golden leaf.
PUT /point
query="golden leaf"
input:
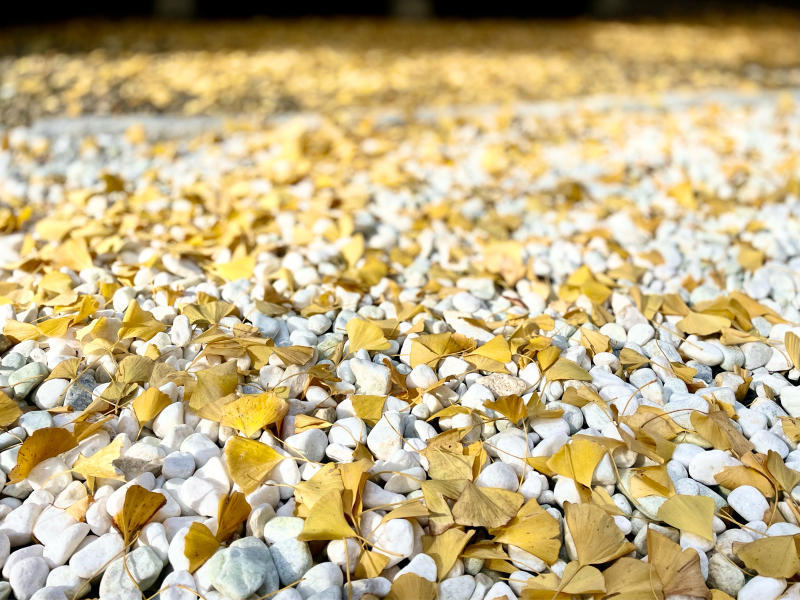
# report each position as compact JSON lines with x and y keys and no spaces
{"x":100,"y":464}
{"x":353,"y":250}
{"x":594,"y":341}
{"x":326,"y":521}
{"x":148,"y":404}
{"x":534,"y":530}
{"x":369,"y":408}
{"x":249,"y":462}
{"x":511,"y":407}
{"x":632,"y":579}
{"x":233,"y":510}
{"x":445,"y":548}
{"x":19,"y":331}
{"x":140,"y":506}
{"x":55,"y":327}
{"x":792,"y":342}
{"x":491,"y":356}
{"x":678,"y":570}
{"x":410,"y":510}
{"x":43,"y":444}
{"x":208,"y":313}
{"x":702,"y":324}
{"x":689,"y":513}
{"x":596,"y":536}
{"x":631,"y":360}
{"x":577,"y":460}
{"x":199,"y":545}
{"x":252,"y":412}
{"x":429,"y":349}
{"x":370,"y":564}
{"x":787,"y":478}
{"x":364,"y":335}
{"x":139,"y":323}
{"x":66,"y":369}
{"x":411,"y":585}
{"x":448,"y":465}
{"x":733,"y":477}
{"x":74,"y":254}
{"x":774,"y":556}
{"x":212,"y":384}
{"x":576,"y":580}
{"x":134,"y":369}
{"x":238,"y":268}
{"x":564,"y":370}
{"x":9,"y":410}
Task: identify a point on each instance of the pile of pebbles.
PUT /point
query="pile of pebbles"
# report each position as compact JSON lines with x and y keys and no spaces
{"x":520,"y":223}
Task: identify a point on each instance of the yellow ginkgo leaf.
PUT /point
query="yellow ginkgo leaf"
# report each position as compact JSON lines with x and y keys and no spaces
{"x":577,"y":460}
{"x":139,"y":323}
{"x":689,"y":513}
{"x":199,"y":545}
{"x":148,"y":404}
{"x":364,"y":335}
{"x":534,"y":530}
{"x":448,"y":465}
{"x":490,"y":356}
{"x":594,"y":341}
{"x":100,"y":464}
{"x":774,"y":556}
{"x":9,"y":410}
{"x":213,"y":384}
{"x":792,"y":342}
{"x":511,"y":407}
{"x":207,"y":313}
{"x":368,"y":407}
{"x":411,"y":585}
{"x":733,"y":477}
{"x":631,"y":360}
{"x":252,"y":412}
{"x":134,"y":369}
{"x":55,"y":328}
{"x":353,"y":250}
{"x":74,"y":254}
{"x":486,"y":507}
{"x":233,"y":510}
{"x":787,"y":478}
{"x":702,"y":324}
{"x":326,"y":520}
{"x":140,"y":506}
{"x":564,"y":369}
{"x":237,"y":268}
{"x":632,"y":579}
{"x":576,"y":580}
{"x":43,"y":444}
{"x":249,"y":462}
{"x":596,"y":536}
{"x":445,"y":548}
{"x":20,"y":331}
{"x":370,"y":564}
{"x":677,"y":569}
{"x":428,"y":349}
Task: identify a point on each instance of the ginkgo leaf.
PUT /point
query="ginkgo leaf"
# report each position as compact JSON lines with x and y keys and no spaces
{"x":252,"y":412}
{"x":486,"y":507}
{"x":233,"y":510}
{"x":677,"y":569}
{"x":249,"y":462}
{"x":577,"y":460}
{"x":511,"y":407}
{"x":364,"y":335}
{"x":326,"y":520}
{"x":20,"y":331}
{"x":149,"y":404}
{"x":689,"y":513}
{"x":631,"y":360}
{"x":632,"y":579}
{"x":792,"y":342}
{"x":430,"y":348}
{"x":596,"y":536}
{"x":448,"y":465}
{"x":411,"y":510}
{"x":702,"y":324}
{"x":445,"y":548}
{"x":564,"y":369}
{"x":534,"y":530}
{"x":733,"y":477}
{"x":207,"y":313}
{"x":55,"y":328}
{"x":368,"y":407}
{"x":213,"y":384}
{"x":370,"y":564}
{"x":66,"y":369}
{"x":199,"y":545}
{"x":241,"y":267}
{"x":134,"y":369}
{"x":100,"y":464}
{"x":576,"y":580}
{"x":139,"y":323}
{"x":411,"y":585}
{"x":594,"y":341}
{"x":787,"y":478}
{"x":774,"y":556}
{"x":42,"y":444}
{"x":353,"y":250}
{"x":139,"y":507}
{"x":490,"y":356}
{"x":9,"y":410}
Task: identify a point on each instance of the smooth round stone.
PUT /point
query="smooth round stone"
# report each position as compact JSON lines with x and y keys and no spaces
{"x":13,"y":361}
{"x":243,"y":568}
{"x":310,"y":444}
{"x":457,"y":588}
{"x":790,"y":400}
{"x":143,"y":564}
{"x":79,"y":394}
{"x":28,"y":576}
{"x":370,"y":378}
{"x":282,"y":528}
{"x":349,"y":432}
{"x":385,"y":438}
{"x":498,"y":475}
{"x":377,"y":586}
{"x":756,"y":354}
{"x":748,"y":502}
{"x":24,"y":379}
{"x":35,"y":420}
{"x":292,"y":559}
{"x":762,"y":588}
{"x":171,"y":591}
{"x":704,"y":466}
{"x":50,"y":393}
{"x":319,"y":578}
{"x":422,"y":565}
{"x":395,"y":536}
{"x":89,"y":560}
{"x":375,"y":496}
{"x":703,"y":352}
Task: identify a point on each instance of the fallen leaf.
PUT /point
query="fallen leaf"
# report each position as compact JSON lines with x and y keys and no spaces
{"x":199,"y":545}
{"x":9,"y":410}
{"x":43,"y":444}
{"x":100,"y":464}
{"x":140,"y":506}
{"x":149,"y":404}
{"x":139,"y":323}
{"x":445,"y":548}
{"x":792,"y":342}
{"x":486,"y":507}
{"x":576,"y":580}
{"x":677,"y":569}
{"x":787,"y":478}
{"x":326,"y":520}
{"x":689,"y":513}
{"x":252,"y":412}
{"x":577,"y":460}
{"x":596,"y":536}
{"x":233,"y":510}
{"x":364,"y":335}
{"x":774,"y":556}
{"x":534,"y":530}
{"x":249,"y":462}
{"x":411,"y":585}
{"x":566,"y":370}
{"x":368,"y":407}
{"x":632,"y":579}
{"x":702,"y":324}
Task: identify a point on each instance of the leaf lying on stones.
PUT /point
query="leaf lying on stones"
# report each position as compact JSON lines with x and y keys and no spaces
{"x":774,"y":556}
{"x":576,"y":580}
{"x":677,"y":569}
{"x":596,"y":536}
{"x":577,"y":460}
{"x":445,"y":548}
{"x":534,"y":530}
{"x":138,"y":509}
{"x":564,"y":370}
{"x":411,"y":585}
{"x":233,"y":510}
{"x":42,"y":444}
{"x":139,"y":323}
{"x":100,"y":464}
{"x":149,"y":404}
{"x":199,"y":545}
{"x":249,"y":462}
{"x":9,"y":410}
{"x":689,"y":513}
{"x":486,"y":507}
